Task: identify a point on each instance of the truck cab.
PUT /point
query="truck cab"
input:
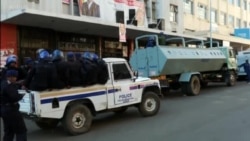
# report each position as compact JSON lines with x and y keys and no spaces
{"x":75,"y":107}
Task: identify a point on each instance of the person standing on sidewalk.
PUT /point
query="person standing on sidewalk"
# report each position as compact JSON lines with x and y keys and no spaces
{"x":13,"y":121}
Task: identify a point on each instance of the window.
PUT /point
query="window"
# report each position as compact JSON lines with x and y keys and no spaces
{"x":249,"y":6}
{"x":238,"y":3}
{"x":121,"y":72}
{"x":213,"y":16}
{"x":231,"y":53}
{"x":245,"y":5}
{"x":154,"y":11}
{"x":231,"y":1}
{"x":202,"y":11}
{"x":188,"y":6}
{"x":173,"y":13}
{"x":223,"y":18}
{"x":231,"y":20}
{"x":245,"y":24}
{"x":238,"y":23}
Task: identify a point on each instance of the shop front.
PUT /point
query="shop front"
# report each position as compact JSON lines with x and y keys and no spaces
{"x":31,"y":39}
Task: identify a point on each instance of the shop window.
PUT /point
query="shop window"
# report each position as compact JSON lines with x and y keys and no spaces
{"x":76,"y":43}
{"x":32,"y":39}
{"x":114,"y":49}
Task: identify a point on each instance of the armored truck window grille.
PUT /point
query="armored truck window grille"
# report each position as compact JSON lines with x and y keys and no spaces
{"x":120,"y":71}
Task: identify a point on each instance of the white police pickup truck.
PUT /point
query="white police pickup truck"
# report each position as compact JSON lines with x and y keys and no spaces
{"x":75,"y":107}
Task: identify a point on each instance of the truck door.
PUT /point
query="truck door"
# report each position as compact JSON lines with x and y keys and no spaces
{"x":142,"y":60}
{"x":152,"y":61}
{"x":124,"y":93}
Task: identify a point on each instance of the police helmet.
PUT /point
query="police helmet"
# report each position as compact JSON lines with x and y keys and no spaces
{"x":70,"y":56}
{"x":57,"y":55}
{"x":11,"y":59}
{"x":44,"y":54}
{"x":90,"y":56}
{"x":78,"y":55}
{"x":38,"y":51}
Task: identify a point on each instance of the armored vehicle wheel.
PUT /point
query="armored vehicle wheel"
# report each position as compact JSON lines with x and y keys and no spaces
{"x":46,"y":123}
{"x":193,"y":87}
{"x":150,"y":104}
{"x":77,"y":119}
{"x":231,"y":79}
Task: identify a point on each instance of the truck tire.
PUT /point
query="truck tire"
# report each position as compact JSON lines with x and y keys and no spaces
{"x":231,"y":79}
{"x":77,"y":119}
{"x":150,"y":104}
{"x":47,"y":123}
{"x":193,"y":87}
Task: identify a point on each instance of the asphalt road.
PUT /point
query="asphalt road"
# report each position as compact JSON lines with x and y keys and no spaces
{"x":220,"y":113}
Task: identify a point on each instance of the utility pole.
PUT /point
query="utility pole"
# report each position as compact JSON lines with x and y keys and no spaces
{"x":210,"y":14}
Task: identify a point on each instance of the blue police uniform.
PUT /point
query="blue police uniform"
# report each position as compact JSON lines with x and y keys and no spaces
{"x":12,"y":119}
{"x":246,"y":67}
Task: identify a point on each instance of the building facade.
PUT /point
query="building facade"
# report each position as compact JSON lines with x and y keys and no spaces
{"x":97,"y":25}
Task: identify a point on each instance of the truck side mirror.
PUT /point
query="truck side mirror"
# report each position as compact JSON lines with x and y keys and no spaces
{"x":136,"y":74}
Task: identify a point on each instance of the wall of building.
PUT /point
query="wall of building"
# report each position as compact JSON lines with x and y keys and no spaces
{"x":8,"y":41}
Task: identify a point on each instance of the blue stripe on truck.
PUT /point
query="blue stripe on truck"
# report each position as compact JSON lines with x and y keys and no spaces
{"x":71,"y":97}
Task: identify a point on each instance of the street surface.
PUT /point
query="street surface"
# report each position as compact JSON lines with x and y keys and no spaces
{"x":220,"y":113}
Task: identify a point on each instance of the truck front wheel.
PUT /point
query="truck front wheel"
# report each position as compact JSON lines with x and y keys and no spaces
{"x":150,"y":104}
{"x":230,"y":79}
{"x":77,"y":119}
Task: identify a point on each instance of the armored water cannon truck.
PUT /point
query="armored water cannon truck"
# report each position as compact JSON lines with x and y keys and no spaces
{"x":178,"y":63}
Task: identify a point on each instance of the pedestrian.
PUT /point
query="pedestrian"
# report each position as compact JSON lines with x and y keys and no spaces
{"x":246,"y":67}
{"x":13,"y":121}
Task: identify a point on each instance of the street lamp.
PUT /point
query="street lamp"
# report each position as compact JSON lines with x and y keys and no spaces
{"x":210,"y":14}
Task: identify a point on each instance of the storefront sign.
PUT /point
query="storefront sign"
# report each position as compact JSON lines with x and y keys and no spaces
{"x":242,"y":32}
{"x":106,"y":9}
{"x":66,"y":1}
{"x":122,"y":33}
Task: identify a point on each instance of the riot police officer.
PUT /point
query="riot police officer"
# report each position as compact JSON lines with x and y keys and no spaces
{"x":61,"y":68}
{"x":43,"y":75}
{"x":75,"y":70}
{"x":11,"y":64}
{"x":12,"y":119}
